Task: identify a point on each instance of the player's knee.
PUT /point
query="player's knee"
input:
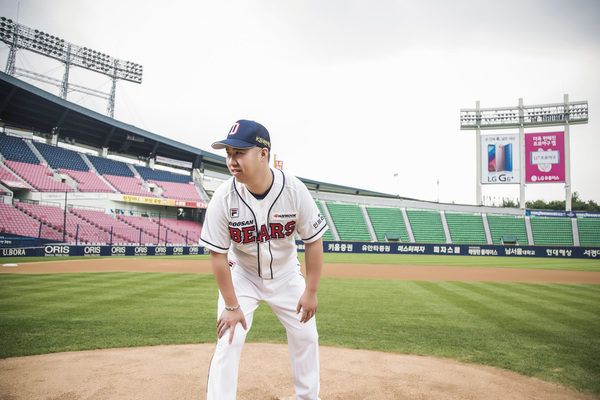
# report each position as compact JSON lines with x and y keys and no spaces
{"x":239,"y":338}
{"x":312,"y":337}
{"x":304,"y":337}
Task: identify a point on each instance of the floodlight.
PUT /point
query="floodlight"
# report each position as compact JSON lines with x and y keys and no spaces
{"x":23,"y":37}
{"x":515,"y":117}
{"x":18,"y":36}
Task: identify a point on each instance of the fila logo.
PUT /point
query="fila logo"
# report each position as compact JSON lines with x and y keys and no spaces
{"x":234,"y":213}
{"x":234,"y":129}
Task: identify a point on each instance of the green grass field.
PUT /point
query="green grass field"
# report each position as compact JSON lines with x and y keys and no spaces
{"x":549,"y":331}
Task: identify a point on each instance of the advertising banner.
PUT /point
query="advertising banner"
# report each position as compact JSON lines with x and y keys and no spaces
{"x":163,"y":202}
{"x":544,"y":157}
{"x":500,"y":159}
{"x":64,"y":250}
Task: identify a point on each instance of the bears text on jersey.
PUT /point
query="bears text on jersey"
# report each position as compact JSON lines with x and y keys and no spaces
{"x":249,"y":234}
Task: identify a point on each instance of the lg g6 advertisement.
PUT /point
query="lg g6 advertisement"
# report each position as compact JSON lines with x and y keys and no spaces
{"x":500,"y":161}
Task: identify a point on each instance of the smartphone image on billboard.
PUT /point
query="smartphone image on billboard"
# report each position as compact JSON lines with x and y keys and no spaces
{"x":491,"y":157}
{"x":500,"y":157}
{"x":508,"y":157}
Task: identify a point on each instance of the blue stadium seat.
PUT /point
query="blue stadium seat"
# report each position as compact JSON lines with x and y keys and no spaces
{"x":110,"y":167}
{"x":163,"y":176}
{"x":15,"y":149}
{"x":58,"y":157}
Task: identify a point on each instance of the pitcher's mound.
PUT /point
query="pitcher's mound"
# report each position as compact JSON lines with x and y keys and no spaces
{"x":179,"y":373}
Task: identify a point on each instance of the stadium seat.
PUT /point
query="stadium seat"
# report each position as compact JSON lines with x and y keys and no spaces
{"x":129,"y":185}
{"x":178,"y":191}
{"x":182,"y":229}
{"x":328,"y":235}
{"x":160,"y":175}
{"x":58,"y":157}
{"x":349,"y":221}
{"x":589,"y":231}
{"x":11,"y":179}
{"x":466,"y":228}
{"x":552,"y":231}
{"x":386,"y":222}
{"x":15,"y":149}
{"x":15,"y":222}
{"x":106,"y":166}
{"x":501,"y":225}
{"x":52,"y":219}
{"x":88,"y":181}
{"x":38,"y":176}
{"x":122,"y":233}
{"x":426,"y":226}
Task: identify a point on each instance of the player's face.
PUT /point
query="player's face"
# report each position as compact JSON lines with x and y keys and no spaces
{"x":244,"y":164}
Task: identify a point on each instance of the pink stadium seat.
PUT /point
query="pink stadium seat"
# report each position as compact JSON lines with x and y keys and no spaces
{"x":53,"y":218}
{"x":90,"y":226}
{"x":151,"y":227}
{"x":122,"y":233}
{"x":9,"y":178}
{"x":183,"y":228}
{"x":88,"y":181}
{"x":178,"y":191}
{"x":15,"y":222}
{"x":128,"y":185}
{"x":38,"y":176}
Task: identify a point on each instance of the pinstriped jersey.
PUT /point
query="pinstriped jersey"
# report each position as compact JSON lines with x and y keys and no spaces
{"x":259,"y":235}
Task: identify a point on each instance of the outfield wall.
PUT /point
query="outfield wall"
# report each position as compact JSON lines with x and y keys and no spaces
{"x":61,"y":250}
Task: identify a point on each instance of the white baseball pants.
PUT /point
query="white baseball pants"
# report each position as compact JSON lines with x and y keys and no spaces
{"x":282,"y":295}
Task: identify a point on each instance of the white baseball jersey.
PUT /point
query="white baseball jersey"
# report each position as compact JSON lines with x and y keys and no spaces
{"x":259,"y":234}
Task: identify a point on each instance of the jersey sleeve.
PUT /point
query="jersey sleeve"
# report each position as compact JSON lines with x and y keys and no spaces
{"x":311,"y":224}
{"x":215,"y":232}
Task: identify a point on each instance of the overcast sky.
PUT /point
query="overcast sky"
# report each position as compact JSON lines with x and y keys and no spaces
{"x":352,"y":92}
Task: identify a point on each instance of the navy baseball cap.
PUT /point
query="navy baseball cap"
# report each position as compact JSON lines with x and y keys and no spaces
{"x":245,"y":134}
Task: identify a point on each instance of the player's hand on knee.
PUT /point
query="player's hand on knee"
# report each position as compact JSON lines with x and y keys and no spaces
{"x":308,"y":306}
{"x":229,"y":320}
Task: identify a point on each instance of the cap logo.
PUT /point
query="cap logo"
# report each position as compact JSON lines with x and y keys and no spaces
{"x":234,"y":129}
{"x":263,"y":142}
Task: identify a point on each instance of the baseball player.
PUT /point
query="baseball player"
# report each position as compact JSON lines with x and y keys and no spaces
{"x":249,"y":228}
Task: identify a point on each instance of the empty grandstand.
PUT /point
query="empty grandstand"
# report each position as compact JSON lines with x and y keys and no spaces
{"x":35,"y":173}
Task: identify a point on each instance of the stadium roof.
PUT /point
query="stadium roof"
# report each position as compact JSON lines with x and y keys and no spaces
{"x":25,"y":106}
{"x":29,"y":107}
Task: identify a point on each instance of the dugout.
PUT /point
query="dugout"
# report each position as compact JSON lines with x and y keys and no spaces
{"x":509,"y":239}
{"x":392,"y":237}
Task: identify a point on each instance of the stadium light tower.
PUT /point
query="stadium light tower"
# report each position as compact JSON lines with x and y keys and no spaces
{"x":497,"y":153}
{"x":18,"y":36}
